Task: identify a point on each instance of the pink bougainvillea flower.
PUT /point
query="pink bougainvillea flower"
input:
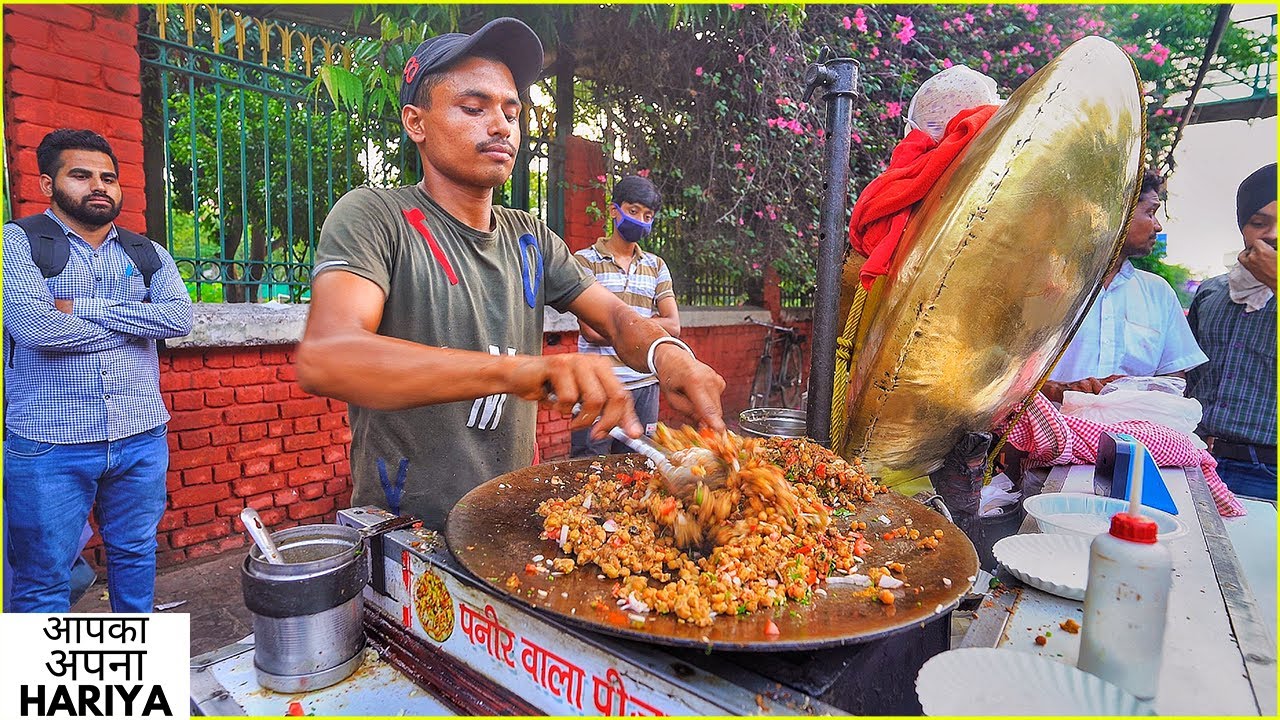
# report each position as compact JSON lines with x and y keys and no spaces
{"x":1133,"y":16}
{"x":736,"y":6}
{"x":737,"y":147}
{"x":846,"y":22}
{"x":773,"y":49}
{"x":968,"y":17}
{"x":698,"y":71}
{"x":1031,"y":11}
{"x":860,"y":20}
{"x":908,"y":30}
{"x":875,"y":51}
{"x":893,"y":109}
{"x":857,"y":138}
{"x":887,"y":63}
{"x":599,"y":178}
{"x":643,"y":173}
{"x":946,"y":63}
{"x":741,"y":58}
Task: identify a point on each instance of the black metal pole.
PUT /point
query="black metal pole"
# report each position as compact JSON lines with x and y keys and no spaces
{"x":838,"y":78}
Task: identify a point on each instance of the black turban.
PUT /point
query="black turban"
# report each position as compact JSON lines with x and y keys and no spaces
{"x":1256,"y":192}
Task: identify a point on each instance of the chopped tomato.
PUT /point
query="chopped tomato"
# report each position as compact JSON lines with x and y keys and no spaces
{"x":625,"y":479}
{"x":820,"y":470}
{"x":805,"y":550}
{"x":617,"y":541}
{"x":813,"y":577}
{"x":668,"y":506}
{"x":295,"y":709}
{"x":771,"y":628}
{"x":530,"y":568}
{"x":861,"y":547}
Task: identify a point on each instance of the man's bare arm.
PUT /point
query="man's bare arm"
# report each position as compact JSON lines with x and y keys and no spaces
{"x":342,"y":356}
{"x":692,"y":387}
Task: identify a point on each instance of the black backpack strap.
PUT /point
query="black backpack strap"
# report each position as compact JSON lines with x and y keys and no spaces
{"x":142,"y":252}
{"x":50,"y":248}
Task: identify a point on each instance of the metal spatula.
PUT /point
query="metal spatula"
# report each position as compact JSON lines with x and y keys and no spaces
{"x":677,"y":469}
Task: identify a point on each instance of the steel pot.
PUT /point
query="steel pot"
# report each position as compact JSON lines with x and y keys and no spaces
{"x":308,"y":612}
{"x":773,"y":422}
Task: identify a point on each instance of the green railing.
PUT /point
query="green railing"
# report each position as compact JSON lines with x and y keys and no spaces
{"x":251,"y":160}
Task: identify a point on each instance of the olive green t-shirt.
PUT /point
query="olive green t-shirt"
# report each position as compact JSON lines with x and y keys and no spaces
{"x":454,"y":287}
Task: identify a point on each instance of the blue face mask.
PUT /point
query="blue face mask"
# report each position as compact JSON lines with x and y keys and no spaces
{"x":631,"y":229}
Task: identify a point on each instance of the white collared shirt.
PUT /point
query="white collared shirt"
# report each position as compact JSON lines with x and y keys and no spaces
{"x":1134,"y":327}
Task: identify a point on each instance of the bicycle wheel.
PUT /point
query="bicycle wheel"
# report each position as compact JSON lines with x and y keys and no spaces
{"x":790,"y":377}
{"x":762,"y":384}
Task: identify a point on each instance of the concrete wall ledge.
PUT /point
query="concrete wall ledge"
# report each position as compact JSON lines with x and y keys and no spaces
{"x":246,"y":325}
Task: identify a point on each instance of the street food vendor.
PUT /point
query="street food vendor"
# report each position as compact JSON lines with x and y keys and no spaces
{"x":427,"y":299}
{"x":1136,"y":325}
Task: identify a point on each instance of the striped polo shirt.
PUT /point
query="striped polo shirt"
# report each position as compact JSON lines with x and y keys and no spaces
{"x":641,"y":285}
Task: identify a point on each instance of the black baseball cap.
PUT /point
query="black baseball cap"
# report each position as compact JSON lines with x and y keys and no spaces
{"x":507,"y":38}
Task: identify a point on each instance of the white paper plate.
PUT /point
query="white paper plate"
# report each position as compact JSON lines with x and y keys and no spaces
{"x":995,"y":681}
{"x":1057,"y":564}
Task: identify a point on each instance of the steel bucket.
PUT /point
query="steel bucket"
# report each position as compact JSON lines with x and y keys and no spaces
{"x":308,"y":613}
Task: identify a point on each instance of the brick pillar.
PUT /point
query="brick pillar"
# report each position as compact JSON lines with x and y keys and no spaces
{"x":584,"y":166}
{"x":72,"y":66}
{"x":773,"y":293}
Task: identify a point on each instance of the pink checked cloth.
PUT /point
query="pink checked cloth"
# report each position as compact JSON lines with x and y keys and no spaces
{"x":1051,"y":438}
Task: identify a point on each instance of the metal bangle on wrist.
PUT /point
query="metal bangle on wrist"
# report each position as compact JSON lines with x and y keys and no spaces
{"x":665,"y":339}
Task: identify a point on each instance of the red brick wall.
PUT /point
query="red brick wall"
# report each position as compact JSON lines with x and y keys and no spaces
{"x":584,"y":168}
{"x":244,"y":433}
{"x":54,"y":79}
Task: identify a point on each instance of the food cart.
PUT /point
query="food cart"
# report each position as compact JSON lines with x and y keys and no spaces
{"x":448,"y":635}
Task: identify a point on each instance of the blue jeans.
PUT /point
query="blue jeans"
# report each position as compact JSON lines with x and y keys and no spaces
{"x":1252,"y":479}
{"x":48,"y":492}
{"x":646,"y":401}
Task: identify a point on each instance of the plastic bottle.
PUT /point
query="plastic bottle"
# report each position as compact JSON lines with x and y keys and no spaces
{"x":1126,"y":601}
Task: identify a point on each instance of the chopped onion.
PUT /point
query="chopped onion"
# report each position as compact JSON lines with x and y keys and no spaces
{"x":586,"y":501}
{"x":855,"y":579}
{"x":610,"y":526}
{"x":884,"y":520}
{"x":537,"y":558}
{"x":635,"y":618}
{"x":946,"y":582}
{"x":564,"y":535}
{"x":889,"y":582}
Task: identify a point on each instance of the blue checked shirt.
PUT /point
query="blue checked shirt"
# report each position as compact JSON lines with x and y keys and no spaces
{"x":91,"y":375}
{"x":1237,"y":387}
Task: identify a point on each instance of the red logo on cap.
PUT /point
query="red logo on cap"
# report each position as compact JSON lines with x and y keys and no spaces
{"x":410,"y":69}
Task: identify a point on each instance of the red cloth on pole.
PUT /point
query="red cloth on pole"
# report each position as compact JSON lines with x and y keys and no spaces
{"x":885,"y":205}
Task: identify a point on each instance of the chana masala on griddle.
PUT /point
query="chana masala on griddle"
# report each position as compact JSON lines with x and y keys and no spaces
{"x":780,"y":529}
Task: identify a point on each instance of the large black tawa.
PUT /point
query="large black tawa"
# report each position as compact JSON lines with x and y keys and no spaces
{"x":495,"y":531}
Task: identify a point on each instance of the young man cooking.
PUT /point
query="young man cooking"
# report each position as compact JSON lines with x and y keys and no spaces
{"x":427,"y":300}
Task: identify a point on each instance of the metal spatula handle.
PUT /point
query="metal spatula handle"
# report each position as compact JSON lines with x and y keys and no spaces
{"x":642,"y":446}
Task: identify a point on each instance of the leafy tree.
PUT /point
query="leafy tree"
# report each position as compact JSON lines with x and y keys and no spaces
{"x":708,"y":98}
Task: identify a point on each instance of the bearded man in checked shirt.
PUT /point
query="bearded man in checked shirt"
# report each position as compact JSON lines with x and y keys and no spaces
{"x":1233,"y":317}
{"x":84,"y":420}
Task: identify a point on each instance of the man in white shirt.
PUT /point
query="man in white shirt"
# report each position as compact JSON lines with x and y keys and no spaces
{"x":1136,"y":325}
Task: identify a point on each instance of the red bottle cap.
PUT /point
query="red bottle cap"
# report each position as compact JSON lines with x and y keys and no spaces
{"x":1134,"y":528}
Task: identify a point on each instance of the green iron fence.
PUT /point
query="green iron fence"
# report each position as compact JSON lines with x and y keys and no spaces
{"x":251,"y":160}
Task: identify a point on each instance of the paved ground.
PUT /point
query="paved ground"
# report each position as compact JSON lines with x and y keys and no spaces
{"x":211,"y":589}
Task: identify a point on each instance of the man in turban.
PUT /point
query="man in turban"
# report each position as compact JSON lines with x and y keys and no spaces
{"x":1233,"y":317}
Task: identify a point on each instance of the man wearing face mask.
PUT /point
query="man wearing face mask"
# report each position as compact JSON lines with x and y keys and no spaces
{"x":85,"y":302}
{"x":638,"y":278}
{"x":1233,"y":317}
